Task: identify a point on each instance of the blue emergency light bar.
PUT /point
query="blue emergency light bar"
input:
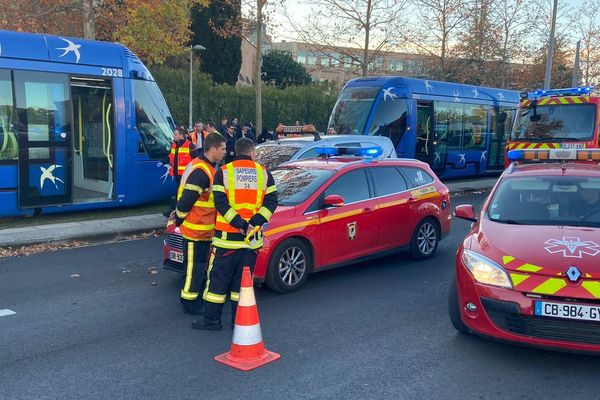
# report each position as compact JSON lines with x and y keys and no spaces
{"x":370,"y":152}
{"x":576,"y":91}
{"x":554,"y":155}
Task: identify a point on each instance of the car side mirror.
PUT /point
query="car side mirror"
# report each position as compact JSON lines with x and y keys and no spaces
{"x":465,"y":211}
{"x":333,"y":200}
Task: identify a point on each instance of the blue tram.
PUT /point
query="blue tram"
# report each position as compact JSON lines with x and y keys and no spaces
{"x":83,"y":125}
{"x":460,"y":130}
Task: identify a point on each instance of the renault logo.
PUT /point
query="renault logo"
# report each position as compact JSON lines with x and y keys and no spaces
{"x":573,"y":274}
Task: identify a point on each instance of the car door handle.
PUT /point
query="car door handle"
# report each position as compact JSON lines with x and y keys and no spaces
{"x":411,"y":200}
{"x":368,"y":211}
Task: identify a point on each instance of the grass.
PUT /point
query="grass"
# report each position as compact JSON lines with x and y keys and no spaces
{"x":20,"y":222}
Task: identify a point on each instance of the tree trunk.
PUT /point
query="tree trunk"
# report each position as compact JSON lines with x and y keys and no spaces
{"x":365,"y":63}
{"x":258,"y":83}
{"x":89,"y":19}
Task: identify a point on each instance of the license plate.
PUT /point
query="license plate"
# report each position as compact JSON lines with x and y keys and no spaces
{"x":567,"y":311}
{"x":571,"y":146}
{"x":176,"y":256}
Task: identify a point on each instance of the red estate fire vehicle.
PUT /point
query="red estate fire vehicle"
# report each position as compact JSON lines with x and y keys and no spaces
{"x":336,"y":210}
{"x":529,"y":269}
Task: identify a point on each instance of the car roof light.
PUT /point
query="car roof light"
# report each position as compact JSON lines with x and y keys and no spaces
{"x":554,"y":155}
{"x":576,"y":91}
{"x":366,"y":152}
{"x":327,"y":151}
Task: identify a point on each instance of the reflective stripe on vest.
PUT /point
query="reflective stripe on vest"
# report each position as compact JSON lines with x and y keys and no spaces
{"x":244,"y":184}
{"x":199,"y":224}
{"x":183,"y":157}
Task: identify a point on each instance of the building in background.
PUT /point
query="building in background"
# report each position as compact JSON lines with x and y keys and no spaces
{"x":332,"y":65}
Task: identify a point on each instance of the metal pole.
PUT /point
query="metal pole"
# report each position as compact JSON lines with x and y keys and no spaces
{"x":191,"y":80}
{"x":548,"y":75}
{"x":576,"y":66}
{"x":258,"y":76}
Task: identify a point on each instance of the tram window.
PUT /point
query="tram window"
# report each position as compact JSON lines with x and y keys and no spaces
{"x":9,"y":149}
{"x":474,"y":126}
{"x":448,"y":124}
{"x":151,"y":114}
{"x":390,"y":120}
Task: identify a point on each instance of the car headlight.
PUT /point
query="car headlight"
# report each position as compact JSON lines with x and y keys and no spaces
{"x":485,"y":270}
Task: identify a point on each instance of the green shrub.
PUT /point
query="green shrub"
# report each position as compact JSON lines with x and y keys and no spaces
{"x":308,"y":104}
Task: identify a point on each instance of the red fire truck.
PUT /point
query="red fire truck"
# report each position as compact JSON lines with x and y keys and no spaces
{"x":556,"y":119}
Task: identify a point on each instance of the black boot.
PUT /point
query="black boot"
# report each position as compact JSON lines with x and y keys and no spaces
{"x":192,"y":307}
{"x":207,"y":324}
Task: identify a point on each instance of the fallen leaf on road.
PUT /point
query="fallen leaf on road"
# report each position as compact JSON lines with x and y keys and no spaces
{"x":75,"y":276}
{"x":38,"y":248}
{"x":152,"y":271}
{"x":154,"y":284}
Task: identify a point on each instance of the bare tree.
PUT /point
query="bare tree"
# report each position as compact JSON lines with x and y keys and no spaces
{"x":368,"y":28}
{"x":509,"y":17}
{"x":587,"y":21}
{"x":439,"y":24}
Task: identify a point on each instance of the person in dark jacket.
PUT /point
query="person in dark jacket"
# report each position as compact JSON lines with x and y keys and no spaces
{"x":230,"y":143}
{"x":223,"y":127}
{"x":265,"y":136}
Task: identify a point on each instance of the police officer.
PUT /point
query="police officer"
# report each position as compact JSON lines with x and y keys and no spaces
{"x":195,"y":217}
{"x":245,"y":198}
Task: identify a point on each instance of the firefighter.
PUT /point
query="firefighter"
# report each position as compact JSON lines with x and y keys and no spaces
{"x":182,"y":153}
{"x":245,"y":198}
{"x":195,"y":217}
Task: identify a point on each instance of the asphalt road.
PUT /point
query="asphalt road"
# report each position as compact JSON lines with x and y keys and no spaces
{"x":90,"y":324}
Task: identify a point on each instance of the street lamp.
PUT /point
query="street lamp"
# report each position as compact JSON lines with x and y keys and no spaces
{"x":192,"y":48}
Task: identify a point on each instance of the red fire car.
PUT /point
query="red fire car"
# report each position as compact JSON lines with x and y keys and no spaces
{"x":336,"y":210}
{"x":529,"y":269}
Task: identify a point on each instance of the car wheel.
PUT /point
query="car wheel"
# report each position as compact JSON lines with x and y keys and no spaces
{"x":425,"y":239}
{"x":454,"y":309}
{"x":289,"y":266}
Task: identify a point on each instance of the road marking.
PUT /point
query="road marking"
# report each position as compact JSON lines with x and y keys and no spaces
{"x":6,"y":312}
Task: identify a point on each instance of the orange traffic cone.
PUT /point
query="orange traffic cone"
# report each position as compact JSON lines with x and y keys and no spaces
{"x":247,"y":348}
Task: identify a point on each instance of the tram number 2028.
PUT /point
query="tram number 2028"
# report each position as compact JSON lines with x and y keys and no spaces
{"x":112,"y":72}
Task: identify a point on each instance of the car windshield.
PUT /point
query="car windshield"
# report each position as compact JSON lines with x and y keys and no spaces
{"x":552,"y":200}
{"x":272,"y":156}
{"x":352,"y":110}
{"x":571,"y":122}
{"x":295,"y":185}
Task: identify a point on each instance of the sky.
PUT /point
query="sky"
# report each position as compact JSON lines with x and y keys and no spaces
{"x":299,"y":11}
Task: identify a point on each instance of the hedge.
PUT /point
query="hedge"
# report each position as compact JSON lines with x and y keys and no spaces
{"x":308,"y":104}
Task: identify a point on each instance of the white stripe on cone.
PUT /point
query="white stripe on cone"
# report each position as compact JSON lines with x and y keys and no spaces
{"x":247,"y":335}
{"x":247,"y":297}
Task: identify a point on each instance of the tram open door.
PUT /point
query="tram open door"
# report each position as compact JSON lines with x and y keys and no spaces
{"x":430,"y":148}
{"x":66,"y":139}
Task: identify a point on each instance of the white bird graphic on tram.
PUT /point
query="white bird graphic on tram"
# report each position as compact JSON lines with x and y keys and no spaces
{"x":72,"y":47}
{"x":47,"y":174}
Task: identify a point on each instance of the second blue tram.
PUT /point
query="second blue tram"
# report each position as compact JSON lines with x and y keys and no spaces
{"x":460,"y":130}
{"x":83,"y":125}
